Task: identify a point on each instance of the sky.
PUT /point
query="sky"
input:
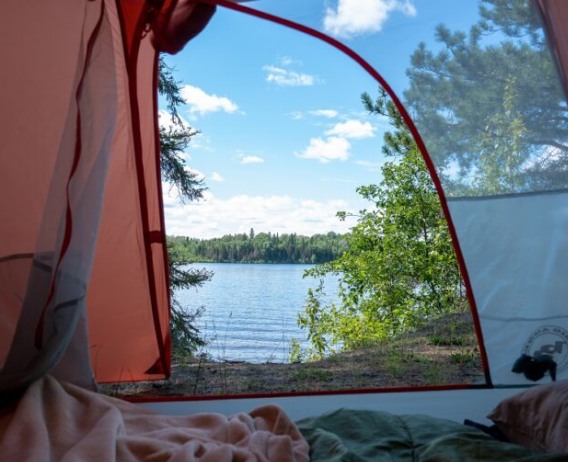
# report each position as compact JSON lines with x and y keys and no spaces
{"x":284,"y":140}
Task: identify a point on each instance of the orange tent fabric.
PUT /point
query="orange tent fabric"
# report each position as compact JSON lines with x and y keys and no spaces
{"x":82,"y":221}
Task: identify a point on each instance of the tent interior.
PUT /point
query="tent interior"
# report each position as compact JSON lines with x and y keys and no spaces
{"x":84,"y":284}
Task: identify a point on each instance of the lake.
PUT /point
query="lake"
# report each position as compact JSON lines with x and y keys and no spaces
{"x":251,"y":309}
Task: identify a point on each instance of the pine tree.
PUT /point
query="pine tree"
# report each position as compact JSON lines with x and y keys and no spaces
{"x":173,"y":142}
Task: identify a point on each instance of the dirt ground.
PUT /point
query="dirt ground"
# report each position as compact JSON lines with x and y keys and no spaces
{"x":437,"y":355}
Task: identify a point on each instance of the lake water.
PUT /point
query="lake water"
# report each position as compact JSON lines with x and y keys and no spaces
{"x":251,"y":309}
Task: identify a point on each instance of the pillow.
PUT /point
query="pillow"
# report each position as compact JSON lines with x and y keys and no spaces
{"x":536,"y":418}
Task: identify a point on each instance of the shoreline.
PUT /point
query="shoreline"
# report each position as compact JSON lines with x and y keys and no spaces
{"x":412,"y":360}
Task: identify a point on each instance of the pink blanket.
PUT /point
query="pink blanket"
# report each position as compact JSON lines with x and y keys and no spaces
{"x":56,"y":421}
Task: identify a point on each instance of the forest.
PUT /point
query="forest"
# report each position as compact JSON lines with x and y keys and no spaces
{"x":260,"y":248}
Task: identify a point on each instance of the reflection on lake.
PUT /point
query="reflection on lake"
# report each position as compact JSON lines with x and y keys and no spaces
{"x":251,"y":309}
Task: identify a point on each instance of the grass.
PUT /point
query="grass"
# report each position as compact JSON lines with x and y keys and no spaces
{"x":441,"y":353}
{"x":442,"y":340}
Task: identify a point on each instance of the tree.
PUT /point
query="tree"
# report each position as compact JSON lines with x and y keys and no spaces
{"x":184,"y":334}
{"x":173,"y":142}
{"x":399,"y":269}
{"x":494,"y":91}
{"x":262,"y":248}
{"x":175,"y":139}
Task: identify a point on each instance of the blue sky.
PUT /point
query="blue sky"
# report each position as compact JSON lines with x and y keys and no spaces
{"x":284,"y":139}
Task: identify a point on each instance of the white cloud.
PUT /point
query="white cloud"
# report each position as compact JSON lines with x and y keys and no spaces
{"x":329,"y":113}
{"x":215,"y":176}
{"x":251,"y":160}
{"x":172,"y":191}
{"x":352,"y":129}
{"x":285,"y":77}
{"x":165,"y":120}
{"x":201,"y":103}
{"x":355,"y":17}
{"x":198,"y":174}
{"x":200,"y":141}
{"x":286,"y":60}
{"x":215,"y":217}
{"x":332,"y":148}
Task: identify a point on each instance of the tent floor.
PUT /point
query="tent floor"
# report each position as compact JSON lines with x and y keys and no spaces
{"x":456,"y":405}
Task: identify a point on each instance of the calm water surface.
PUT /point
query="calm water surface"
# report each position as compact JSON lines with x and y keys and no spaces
{"x":251,"y":309}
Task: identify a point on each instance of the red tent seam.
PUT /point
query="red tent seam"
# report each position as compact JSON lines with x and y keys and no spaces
{"x":416,"y":135}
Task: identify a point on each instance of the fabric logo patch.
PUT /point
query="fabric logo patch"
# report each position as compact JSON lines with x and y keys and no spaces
{"x":551,"y":341}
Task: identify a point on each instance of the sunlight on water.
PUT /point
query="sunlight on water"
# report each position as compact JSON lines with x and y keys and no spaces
{"x":251,"y":309}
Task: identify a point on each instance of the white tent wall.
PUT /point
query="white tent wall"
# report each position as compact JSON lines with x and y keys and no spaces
{"x":514,"y":247}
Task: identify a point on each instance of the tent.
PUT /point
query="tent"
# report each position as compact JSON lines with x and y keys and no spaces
{"x":83,"y":270}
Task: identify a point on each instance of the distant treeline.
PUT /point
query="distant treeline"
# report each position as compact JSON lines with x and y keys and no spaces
{"x":259,"y":248}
